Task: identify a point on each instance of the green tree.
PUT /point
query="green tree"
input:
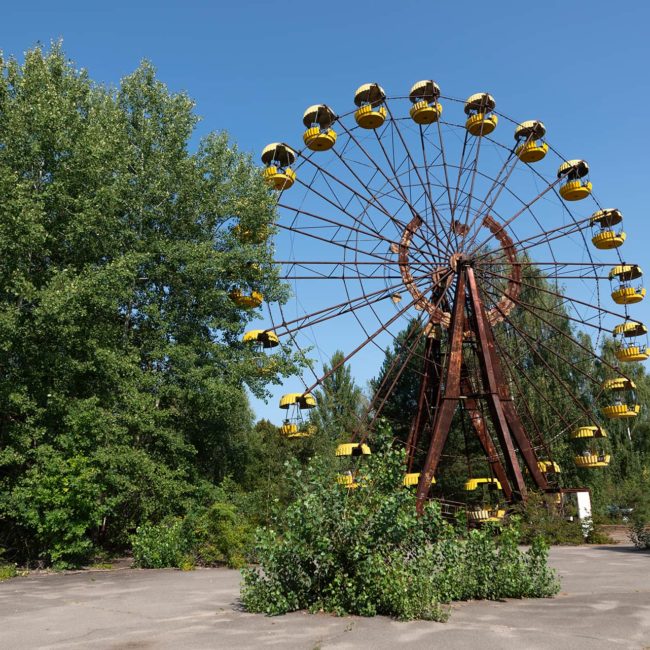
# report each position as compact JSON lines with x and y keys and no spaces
{"x":122,"y":375}
{"x":340,"y":402}
{"x":398,"y":382}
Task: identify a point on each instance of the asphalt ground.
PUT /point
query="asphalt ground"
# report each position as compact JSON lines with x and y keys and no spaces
{"x":604,"y":603}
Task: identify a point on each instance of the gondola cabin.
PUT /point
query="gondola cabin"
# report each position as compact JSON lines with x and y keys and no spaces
{"x":278,"y":158}
{"x":426,"y":108}
{"x":480,"y":117}
{"x":575,"y":185}
{"x":530,"y":147}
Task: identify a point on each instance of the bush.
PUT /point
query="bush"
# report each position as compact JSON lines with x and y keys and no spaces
{"x":540,"y":517}
{"x":217,"y":535}
{"x":639,"y":533}
{"x":639,"y":529}
{"x":159,"y":546}
{"x":207,"y":536}
{"x":364,"y":551}
{"x":7,"y":571}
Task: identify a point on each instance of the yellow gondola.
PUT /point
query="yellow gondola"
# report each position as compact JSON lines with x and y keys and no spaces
{"x":622,"y":407}
{"x":607,"y":237}
{"x":473,"y":483}
{"x":251,"y":300}
{"x":480,"y":121}
{"x":353,"y":449}
{"x":483,"y":515}
{"x":591,"y":431}
{"x":484,"y":512}
{"x":261,"y":340}
{"x":248,"y":235}
{"x":413,"y":478}
{"x":626,"y":350}
{"x":302,"y":400}
{"x":278,"y":158}
{"x":371,"y":113}
{"x":575,"y":186}
{"x":593,"y":456}
{"x":294,"y":403}
{"x":424,"y":96}
{"x":591,"y":460}
{"x":347,"y":481}
{"x":548,"y":467}
{"x":318,"y":119}
{"x":626,"y":294}
{"x":265,"y":338}
{"x":530,"y":145}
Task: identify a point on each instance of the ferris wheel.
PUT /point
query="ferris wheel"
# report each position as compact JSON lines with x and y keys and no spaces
{"x":409,"y":214}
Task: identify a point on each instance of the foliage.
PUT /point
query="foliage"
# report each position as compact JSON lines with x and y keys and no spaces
{"x":206,"y":536}
{"x":364,"y":551}
{"x":639,"y":529}
{"x":541,"y":517}
{"x":7,"y":571}
{"x":639,"y":534}
{"x":217,"y":535}
{"x":122,"y":394}
{"x":159,"y":546}
{"x":339,"y":402}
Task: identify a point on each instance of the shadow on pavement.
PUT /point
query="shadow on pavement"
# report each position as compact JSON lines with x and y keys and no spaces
{"x":623,"y":549}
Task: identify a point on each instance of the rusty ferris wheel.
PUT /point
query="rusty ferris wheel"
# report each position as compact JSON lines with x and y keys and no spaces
{"x":419,"y":216}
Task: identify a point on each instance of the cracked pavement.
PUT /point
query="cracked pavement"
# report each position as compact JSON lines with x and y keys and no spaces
{"x":604,"y":603}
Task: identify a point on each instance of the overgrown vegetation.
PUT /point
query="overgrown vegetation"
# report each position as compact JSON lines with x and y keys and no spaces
{"x":639,"y":529}
{"x":541,"y":517}
{"x":122,"y":395}
{"x":207,"y":536}
{"x":364,"y":551}
{"x":124,"y":417}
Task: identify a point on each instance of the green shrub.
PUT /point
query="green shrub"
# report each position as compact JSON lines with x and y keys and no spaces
{"x":639,"y":533}
{"x":639,"y":528}
{"x":7,"y":571}
{"x":540,"y":517}
{"x":364,"y":551}
{"x":217,"y":535}
{"x":159,"y":546}
{"x":207,"y":536}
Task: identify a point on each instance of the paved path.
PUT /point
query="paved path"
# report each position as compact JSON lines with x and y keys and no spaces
{"x":604,"y":603}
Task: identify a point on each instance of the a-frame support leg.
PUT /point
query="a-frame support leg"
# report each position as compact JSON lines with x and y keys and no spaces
{"x":429,"y":386}
{"x":449,"y":392}
{"x":500,"y":403}
{"x":482,"y":433}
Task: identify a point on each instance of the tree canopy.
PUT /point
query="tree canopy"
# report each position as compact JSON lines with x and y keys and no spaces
{"x":122,"y":385}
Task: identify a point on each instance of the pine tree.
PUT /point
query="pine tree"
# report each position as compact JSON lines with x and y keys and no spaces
{"x":340,"y":402}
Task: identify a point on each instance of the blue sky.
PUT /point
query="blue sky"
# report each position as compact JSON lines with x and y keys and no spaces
{"x":253,"y":67}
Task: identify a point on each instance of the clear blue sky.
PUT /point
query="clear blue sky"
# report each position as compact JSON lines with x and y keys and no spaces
{"x":253,"y":67}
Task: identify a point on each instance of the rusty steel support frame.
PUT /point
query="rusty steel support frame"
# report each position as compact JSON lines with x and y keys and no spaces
{"x":429,"y":386}
{"x":469,"y":318}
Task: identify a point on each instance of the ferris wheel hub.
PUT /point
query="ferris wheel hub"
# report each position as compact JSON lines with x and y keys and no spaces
{"x":458,"y":260}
